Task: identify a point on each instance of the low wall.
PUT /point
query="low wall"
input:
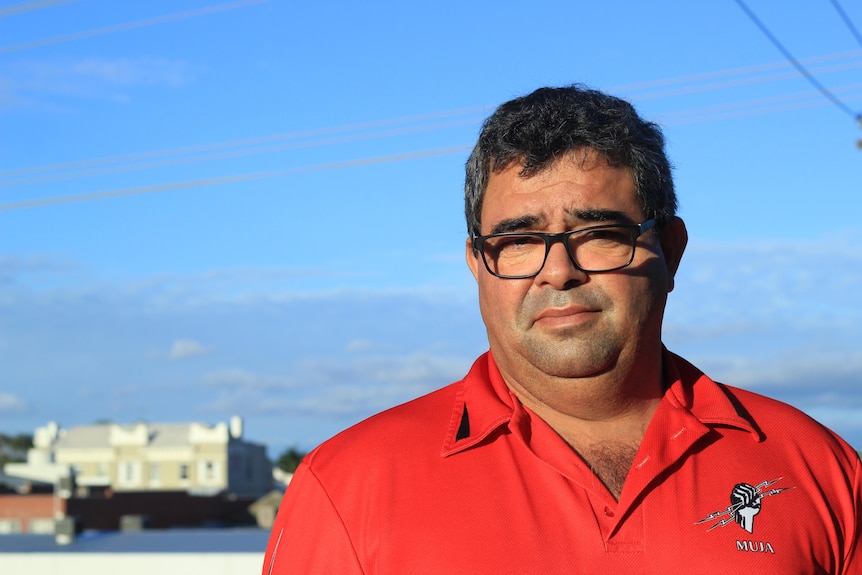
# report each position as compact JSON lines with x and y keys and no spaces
{"x":131,"y":563}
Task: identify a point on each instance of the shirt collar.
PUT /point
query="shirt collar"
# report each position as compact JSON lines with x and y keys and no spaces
{"x":710,"y":402}
{"x":483,"y":402}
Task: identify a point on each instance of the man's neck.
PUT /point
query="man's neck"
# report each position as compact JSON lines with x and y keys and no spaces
{"x":595,"y":417}
{"x":602,"y":418}
{"x":617,"y":401}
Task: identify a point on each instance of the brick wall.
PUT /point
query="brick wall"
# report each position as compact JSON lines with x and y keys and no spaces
{"x":21,"y":510}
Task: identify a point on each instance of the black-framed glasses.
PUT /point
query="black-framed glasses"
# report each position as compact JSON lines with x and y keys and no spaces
{"x":604,"y":248}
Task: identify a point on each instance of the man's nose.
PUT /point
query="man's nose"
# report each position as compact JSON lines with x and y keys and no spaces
{"x":560,"y":270}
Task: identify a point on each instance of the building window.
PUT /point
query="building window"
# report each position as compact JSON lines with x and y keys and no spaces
{"x":209,"y":473}
{"x":41,"y":525}
{"x":184,"y":471}
{"x":8,"y":526}
{"x":129,"y":473}
{"x":102,"y":469}
{"x":155,"y":473}
{"x":235,"y":463}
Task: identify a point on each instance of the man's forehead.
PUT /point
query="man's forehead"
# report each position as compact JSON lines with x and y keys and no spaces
{"x":569,"y":190}
{"x":583,"y":157}
{"x":567,"y":174}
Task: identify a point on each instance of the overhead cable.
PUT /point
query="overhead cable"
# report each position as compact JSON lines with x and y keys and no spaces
{"x":790,"y":58}
{"x":128,"y":26}
{"x":30,"y":6}
{"x":238,"y":148}
{"x":723,"y":112}
{"x":847,"y":21}
{"x":318,"y":137}
{"x":400,"y":126}
{"x":75,"y":198}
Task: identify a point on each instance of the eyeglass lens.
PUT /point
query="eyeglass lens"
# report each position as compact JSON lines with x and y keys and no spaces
{"x":600,"y":249}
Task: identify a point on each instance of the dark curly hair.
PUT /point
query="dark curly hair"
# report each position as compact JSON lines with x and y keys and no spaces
{"x":536,"y":129}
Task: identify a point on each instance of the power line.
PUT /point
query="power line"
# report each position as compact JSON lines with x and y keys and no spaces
{"x":76,"y":198}
{"x":847,"y":21}
{"x":783,"y":103}
{"x":23,"y":7}
{"x":790,"y":58}
{"x":230,"y":154}
{"x":129,"y":26}
{"x":178,"y":156}
{"x":375,"y":129}
{"x":743,"y":81}
{"x":741,"y":71}
{"x":700,"y":82}
{"x":726,"y":111}
{"x":239,"y":148}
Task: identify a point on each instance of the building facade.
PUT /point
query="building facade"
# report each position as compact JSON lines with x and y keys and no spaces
{"x":161,"y":474}
{"x":196,"y":458}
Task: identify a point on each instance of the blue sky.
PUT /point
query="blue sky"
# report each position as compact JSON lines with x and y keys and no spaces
{"x":255,"y":208}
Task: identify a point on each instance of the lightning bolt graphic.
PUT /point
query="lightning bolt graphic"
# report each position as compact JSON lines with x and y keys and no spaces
{"x":731,"y":509}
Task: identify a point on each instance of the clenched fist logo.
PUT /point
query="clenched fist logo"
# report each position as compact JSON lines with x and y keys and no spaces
{"x":744,"y":505}
{"x":745,"y":499}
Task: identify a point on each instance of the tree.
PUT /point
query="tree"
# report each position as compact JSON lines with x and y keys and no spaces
{"x":289,"y":459}
{"x":13,"y":448}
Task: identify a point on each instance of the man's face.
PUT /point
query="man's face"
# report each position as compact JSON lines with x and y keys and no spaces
{"x":564,"y":322}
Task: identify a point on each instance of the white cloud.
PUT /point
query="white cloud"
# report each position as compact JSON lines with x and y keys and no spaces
{"x":336,"y":387}
{"x":757,"y":300}
{"x":358,"y":346}
{"x":770,"y":317}
{"x":350,"y":402}
{"x":36,"y":82}
{"x":798,"y":282}
{"x":185,"y":348}
{"x":353,"y":400}
{"x":10,"y":403}
{"x":810,"y":371}
{"x":237,"y":379}
{"x":838,"y":417}
{"x":128,"y":72}
{"x":412,"y":368}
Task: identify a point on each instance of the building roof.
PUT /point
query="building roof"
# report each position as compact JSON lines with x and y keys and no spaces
{"x":237,"y":540}
{"x":153,"y":434}
{"x":17,"y":484}
{"x":99,"y":435}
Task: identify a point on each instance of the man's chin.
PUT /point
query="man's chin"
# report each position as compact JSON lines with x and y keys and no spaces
{"x":573,"y":363}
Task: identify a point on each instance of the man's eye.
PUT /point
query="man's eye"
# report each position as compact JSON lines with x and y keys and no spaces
{"x":608,"y":236}
{"x":519,"y":241}
{"x":515,"y":244}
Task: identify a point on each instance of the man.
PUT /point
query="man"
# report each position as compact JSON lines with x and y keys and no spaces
{"x":577,"y":444}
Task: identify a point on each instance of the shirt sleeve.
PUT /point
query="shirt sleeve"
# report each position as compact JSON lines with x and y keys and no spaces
{"x":308,"y":536}
{"x":853,"y":561}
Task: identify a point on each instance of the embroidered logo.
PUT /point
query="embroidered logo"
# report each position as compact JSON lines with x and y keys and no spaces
{"x":745,"y":504}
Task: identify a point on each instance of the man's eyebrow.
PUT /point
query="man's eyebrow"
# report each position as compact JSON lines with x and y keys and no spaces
{"x":529,"y":221}
{"x":598,"y":215}
{"x":516,"y":224}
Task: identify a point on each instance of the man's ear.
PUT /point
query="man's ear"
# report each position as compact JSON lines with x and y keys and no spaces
{"x":674,"y":238}
{"x":472,"y":259}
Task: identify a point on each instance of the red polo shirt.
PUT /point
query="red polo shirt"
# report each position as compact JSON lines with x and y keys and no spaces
{"x":468,"y":480}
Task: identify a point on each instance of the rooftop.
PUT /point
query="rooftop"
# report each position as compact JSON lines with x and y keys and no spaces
{"x":239,"y":540}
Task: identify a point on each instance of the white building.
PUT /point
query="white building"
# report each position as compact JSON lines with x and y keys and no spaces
{"x":194,"y":457}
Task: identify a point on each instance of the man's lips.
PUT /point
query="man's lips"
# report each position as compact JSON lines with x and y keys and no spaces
{"x":565,"y":315}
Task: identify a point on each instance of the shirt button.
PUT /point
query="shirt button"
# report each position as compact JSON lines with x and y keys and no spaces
{"x":609,"y":512}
